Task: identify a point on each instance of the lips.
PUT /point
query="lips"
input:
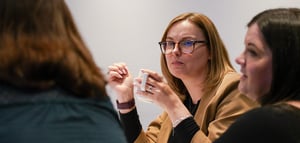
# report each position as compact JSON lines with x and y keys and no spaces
{"x":176,"y":63}
{"x":243,"y":77}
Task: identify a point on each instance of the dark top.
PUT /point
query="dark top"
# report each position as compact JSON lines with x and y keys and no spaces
{"x":182,"y":133}
{"x":54,"y":116}
{"x":269,"y":124}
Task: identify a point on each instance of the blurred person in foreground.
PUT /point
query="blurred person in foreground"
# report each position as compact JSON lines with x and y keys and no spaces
{"x":51,"y":90}
{"x":198,"y":90}
{"x":270,"y":75}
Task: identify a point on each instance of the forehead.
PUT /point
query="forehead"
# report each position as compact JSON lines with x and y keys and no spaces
{"x":184,"y":29}
{"x":255,"y":39}
{"x":254,"y":36}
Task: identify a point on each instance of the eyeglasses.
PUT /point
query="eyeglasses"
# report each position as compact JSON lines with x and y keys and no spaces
{"x":185,"y":46}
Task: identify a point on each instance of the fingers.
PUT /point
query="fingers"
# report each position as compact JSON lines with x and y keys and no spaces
{"x":149,"y":89}
{"x":154,"y":82}
{"x":147,"y":93}
{"x":154,"y":79}
{"x":154,"y":75}
{"x":120,"y":68}
{"x":117,"y":70}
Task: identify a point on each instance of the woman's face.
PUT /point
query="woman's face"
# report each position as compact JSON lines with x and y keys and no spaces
{"x":256,"y":65}
{"x":187,"y":65}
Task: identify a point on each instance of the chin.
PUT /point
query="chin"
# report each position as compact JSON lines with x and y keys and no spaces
{"x":242,"y":88}
{"x":176,"y":74}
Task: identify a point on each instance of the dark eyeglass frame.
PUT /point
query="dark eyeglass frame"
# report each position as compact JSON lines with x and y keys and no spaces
{"x":181,"y":45}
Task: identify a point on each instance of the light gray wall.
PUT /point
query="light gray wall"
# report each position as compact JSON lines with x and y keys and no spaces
{"x":129,"y":30}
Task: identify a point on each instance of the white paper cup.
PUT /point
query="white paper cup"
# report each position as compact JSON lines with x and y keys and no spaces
{"x":143,"y":86}
{"x":144,"y":77}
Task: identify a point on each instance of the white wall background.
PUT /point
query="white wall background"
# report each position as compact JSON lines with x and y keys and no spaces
{"x":129,"y":30}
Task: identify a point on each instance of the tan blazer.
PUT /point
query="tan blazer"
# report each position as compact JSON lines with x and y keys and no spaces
{"x":215,"y":113}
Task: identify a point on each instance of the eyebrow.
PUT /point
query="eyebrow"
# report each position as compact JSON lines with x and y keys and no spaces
{"x":253,"y":46}
{"x":184,"y":38}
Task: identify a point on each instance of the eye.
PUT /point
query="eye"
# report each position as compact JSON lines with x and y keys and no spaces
{"x":169,"y":44}
{"x":251,"y":52}
{"x":187,"y":43}
{"x":163,"y":44}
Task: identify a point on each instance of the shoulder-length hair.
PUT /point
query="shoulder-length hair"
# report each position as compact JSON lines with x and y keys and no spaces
{"x":219,"y":63}
{"x":280,"y":28}
{"x":40,"y":48}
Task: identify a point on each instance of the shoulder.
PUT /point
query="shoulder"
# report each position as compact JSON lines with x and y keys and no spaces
{"x":231,"y":77}
{"x":265,"y":116}
{"x":59,"y":113}
{"x":273,"y":112}
{"x":264,"y":124}
{"x":14,"y":95}
{"x":228,"y":88}
{"x":56,"y":98}
{"x":230,"y":82}
{"x":228,"y":95}
{"x":264,"y":112}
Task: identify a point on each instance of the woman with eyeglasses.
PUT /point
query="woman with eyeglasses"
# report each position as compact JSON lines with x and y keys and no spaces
{"x":198,"y":89}
{"x":271,"y":75}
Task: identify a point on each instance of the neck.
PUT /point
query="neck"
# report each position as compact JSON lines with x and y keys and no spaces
{"x":195,"y":84}
{"x":195,"y":90}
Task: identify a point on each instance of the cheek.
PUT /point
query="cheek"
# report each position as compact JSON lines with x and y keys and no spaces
{"x":200,"y":58}
{"x":168,"y":61}
{"x":260,"y":79}
{"x":268,"y":78}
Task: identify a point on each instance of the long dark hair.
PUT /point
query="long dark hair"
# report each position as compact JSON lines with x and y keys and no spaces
{"x":40,"y":47}
{"x":280,"y":28}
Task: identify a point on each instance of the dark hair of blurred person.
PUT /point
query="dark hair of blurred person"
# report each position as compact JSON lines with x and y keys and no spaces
{"x":42,"y":48}
{"x":51,"y":89}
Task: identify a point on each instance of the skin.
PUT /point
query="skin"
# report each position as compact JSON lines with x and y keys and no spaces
{"x":191,"y":68}
{"x":187,"y":66}
{"x":256,"y":65}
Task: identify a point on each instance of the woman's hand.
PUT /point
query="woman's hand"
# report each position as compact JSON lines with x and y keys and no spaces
{"x":160,"y":93}
{"x":120,"y":80}
{"x":156,"y":89}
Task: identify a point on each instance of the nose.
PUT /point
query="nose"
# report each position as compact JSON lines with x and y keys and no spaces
{"x":176,"y":50}
{"x":240,"y":59}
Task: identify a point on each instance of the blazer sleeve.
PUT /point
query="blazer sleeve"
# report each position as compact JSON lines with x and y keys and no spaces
{"x":154,"y":130}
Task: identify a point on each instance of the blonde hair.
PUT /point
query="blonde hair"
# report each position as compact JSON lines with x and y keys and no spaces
{"x":219,"y":63}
